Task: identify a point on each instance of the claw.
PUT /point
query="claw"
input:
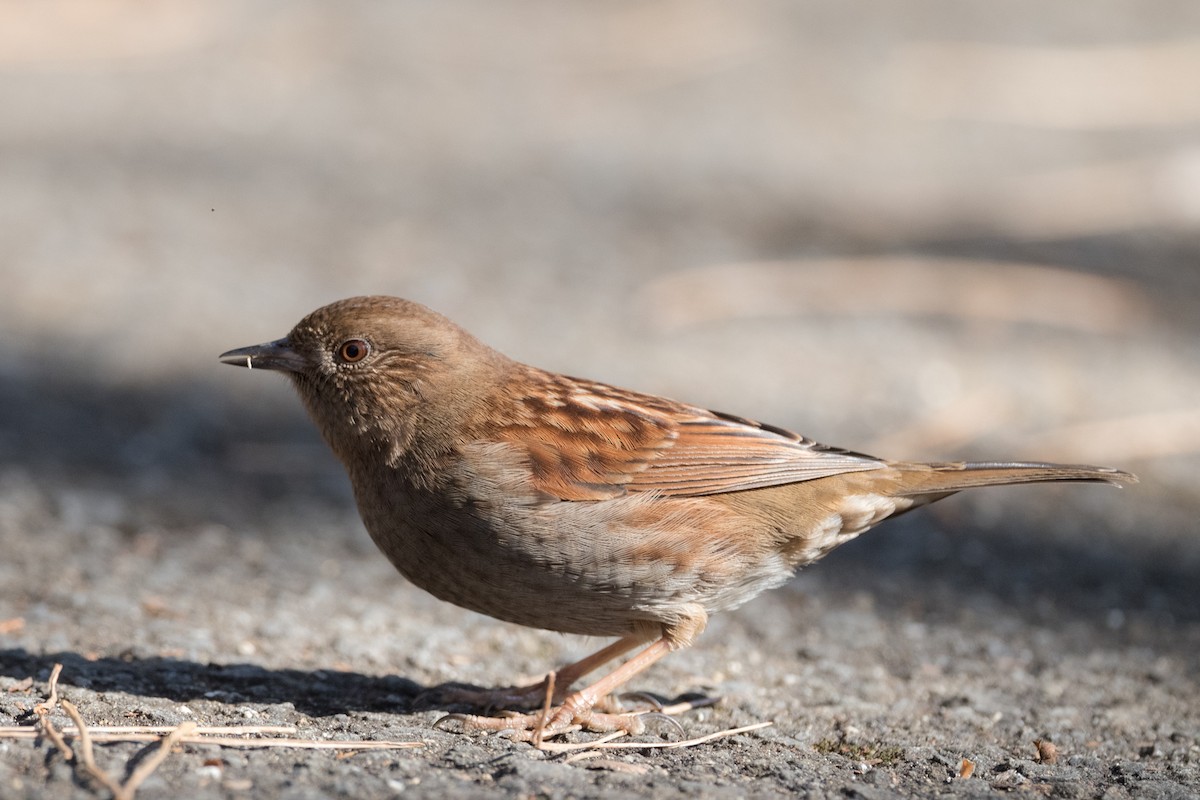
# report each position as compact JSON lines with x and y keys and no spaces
{"x":446,"y":723}
{"x":689,"y":702}
{"x":655,"y":716}
{"x":698,"y":699}
{"x":644,"y":697}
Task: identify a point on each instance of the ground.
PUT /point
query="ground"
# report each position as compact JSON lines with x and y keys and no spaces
{"x":938,"y":231}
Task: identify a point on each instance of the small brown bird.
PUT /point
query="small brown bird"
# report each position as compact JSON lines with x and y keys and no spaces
{"x":575,"y":506}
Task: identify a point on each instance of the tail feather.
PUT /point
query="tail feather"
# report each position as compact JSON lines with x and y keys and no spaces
{"x":947,"y":477}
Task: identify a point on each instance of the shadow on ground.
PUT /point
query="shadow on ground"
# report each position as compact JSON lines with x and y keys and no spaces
{"x":314,"y":692}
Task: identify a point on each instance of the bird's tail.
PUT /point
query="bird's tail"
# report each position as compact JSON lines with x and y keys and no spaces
{"x":948,"y":477}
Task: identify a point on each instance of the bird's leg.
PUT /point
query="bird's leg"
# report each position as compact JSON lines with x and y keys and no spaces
{"x":577,"y":710}
{"x":533,"y":694}
{"x":571,"y":673}
{"x":579,"y":707}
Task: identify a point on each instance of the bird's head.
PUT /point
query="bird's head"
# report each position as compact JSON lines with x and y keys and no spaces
{"x":377,"y":373}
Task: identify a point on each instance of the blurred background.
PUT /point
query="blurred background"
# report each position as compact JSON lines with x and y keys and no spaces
{"x":923,"y":229}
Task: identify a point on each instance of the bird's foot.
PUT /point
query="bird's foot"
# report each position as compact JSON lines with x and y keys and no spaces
{"x":576,"y":713}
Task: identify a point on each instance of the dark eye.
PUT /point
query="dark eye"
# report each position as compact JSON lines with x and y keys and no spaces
{"x":353,"y":350}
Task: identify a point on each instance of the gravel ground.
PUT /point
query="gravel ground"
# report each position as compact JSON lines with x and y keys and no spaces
{"x":940,"y":231}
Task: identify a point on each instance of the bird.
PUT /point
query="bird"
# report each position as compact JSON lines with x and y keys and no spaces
{"x":571,"y":505}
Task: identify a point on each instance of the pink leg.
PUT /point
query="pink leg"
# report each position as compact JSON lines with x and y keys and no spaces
{"x":577,"y":710}
{"x":510,"y":697}
{"x":579,"y":705}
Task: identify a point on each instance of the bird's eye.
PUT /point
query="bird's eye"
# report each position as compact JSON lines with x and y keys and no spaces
{"x":353,"y":350}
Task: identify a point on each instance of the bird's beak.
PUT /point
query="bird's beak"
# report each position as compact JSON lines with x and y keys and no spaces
{"x":272,"y":355}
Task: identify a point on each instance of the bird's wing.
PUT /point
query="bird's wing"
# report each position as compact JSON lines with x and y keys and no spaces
{"x":591,"y":441}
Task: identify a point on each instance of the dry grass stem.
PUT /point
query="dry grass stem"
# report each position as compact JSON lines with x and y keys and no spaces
{"x":304,"y":744}
{"x":46,"y":727}
{"x":594,"y":744}
{"x":608,"y":742}
{"x":43,"y":709}
{"x":167,"y":737}
{"x":99,"y":733}
{"x":540,"y":730}
{"x":151,"y":763}
{"x":205,"y":735}
{"x":52,"y":688}
{"x":86,"y":758}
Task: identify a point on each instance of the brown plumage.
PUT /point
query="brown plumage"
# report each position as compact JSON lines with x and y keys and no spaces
{"x":575,"y":506}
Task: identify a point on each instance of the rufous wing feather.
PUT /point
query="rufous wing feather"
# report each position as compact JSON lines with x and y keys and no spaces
{"x":590,"y":441}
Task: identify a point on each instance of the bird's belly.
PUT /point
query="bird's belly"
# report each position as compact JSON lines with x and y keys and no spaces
{"x":486,"y":566}
{"x":568,"y":567}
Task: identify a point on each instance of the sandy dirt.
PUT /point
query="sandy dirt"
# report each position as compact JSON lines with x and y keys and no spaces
{"x":941,"y":231}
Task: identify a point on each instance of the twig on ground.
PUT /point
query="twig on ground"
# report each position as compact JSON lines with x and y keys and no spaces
{"x":211,"y":735}
{"x":43,"y":709}
{"x":151,"y":763}
{"x":304,"y":744}
{"x":606,"y":742}
{"x":52,"y":687}
{"x":86,"y":758}
{"x":139,"y":733}
{"x":540,"y":730}
{"x":83,"y":755}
